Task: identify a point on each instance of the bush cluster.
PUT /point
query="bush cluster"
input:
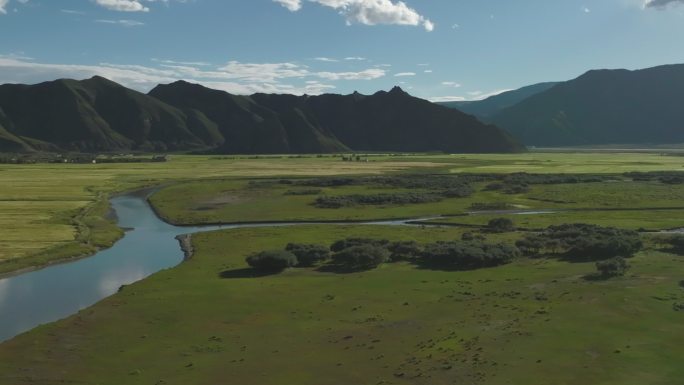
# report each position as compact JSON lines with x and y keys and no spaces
{"x":582,"y":242}
{"x":614,"y":267}
{"x":272,"y":260}
{"x":467,"y":255}
{"x":336,"y":202}
{"x":366,"y":253}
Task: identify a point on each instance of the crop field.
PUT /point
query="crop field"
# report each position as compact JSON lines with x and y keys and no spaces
{"x":398,"y":324}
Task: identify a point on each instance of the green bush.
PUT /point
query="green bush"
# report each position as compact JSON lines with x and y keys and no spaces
{"x":274,"y":260}
{"x":362,"y":257}
{"x":350,"y":242}
{"x":581,"y":242}
{"x":677,"y":243}
{"x":307,"y":254}
{"x":404,"y":250}
{"x":467,"y":255}
{"x":614,"y":267}
{"x":501,"y":225}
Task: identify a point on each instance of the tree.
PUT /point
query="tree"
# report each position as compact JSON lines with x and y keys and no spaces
{"x":349,"y":242}
{"x":307,"y":254}
{"x":362,"y":257}
{"x":467,"y":255}
{"x":501,"y":225}
{"x":677,"y":243}
{"x":404,"y":250}
{"x":274,"y":260}
{"x":614,"y":267}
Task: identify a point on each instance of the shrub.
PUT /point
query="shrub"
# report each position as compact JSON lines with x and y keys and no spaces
{"x":404,"y":250}
{"x":339,"y":201}
{"x":501,"y":225}
{"x":308,"y":255}
{"x":362,"y":257}
{"x":350,"y":242}
{"x":472,"y":237}
{"x":581,"y":242}
{"x":677,"y":243}
{"x":275,"y":260}
{"x":614,"y":267}
{"x":303,"y":192}
{"x":468,"y":255}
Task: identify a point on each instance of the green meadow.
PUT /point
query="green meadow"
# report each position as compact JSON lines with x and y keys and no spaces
{"x":209,"y":321}
{"x":213,"y":320}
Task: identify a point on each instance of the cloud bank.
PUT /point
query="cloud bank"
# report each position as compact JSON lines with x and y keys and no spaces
{"x":661,"y":3}
{"x":369,"y":12}
{"x":234,"y":77}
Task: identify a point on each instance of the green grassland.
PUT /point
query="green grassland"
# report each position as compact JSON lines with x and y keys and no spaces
{"x":56,"y":211}
{"x":533,"y":322}
{"x":228,"y":201}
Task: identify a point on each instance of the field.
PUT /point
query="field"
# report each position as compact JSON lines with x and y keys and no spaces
{"x":206,"y":322}
{"x":212,"y":320}
{"x":57,"y":211}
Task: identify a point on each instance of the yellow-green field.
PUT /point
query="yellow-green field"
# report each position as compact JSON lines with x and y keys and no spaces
{"x":46,"y":209}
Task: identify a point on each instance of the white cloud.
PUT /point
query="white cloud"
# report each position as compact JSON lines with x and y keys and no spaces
{"x":292,"y":5}
{"x":123,"y":22}
{"x":661,"y":3}
{"x":452,"y":84}
{"x":357,"y":58}
{"x":428,"y":71}
{"x":72,"y":12}
{"x":370,"y":12}
{"x":234,"y":77}
{"x":369,"y":74}
{"x":586,"y":10}
{"x":326,"y":59}
{"x":123,"y":5}
{"x":3,"y":4}
{"x":439,"y":99}
{"x":404,"y":74}
{"x":472,"y":96}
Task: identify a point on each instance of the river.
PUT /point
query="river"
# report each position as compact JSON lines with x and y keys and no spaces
{"x":58,"y":291}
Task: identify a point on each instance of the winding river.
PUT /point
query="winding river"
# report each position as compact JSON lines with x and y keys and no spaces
{"x":58,"y":291}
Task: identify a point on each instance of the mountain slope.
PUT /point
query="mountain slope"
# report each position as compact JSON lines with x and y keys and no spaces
{"x":603,"y":107}
{"x":385,"y":121}
{"x":487,"y":108}
{"x":97,"y":115}
{"x":247,"y":126}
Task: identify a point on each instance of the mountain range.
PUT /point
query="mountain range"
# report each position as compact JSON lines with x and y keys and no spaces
{"x":98,"y":115}
{"x":600,"y":107}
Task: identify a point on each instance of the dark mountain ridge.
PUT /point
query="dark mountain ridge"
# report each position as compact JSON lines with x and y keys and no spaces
{"x":603,"y":107}
{"x":98,"y":115}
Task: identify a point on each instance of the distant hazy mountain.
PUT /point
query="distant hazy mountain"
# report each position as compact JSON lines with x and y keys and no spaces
{"x":603,"y":107}
{"x":98,"y":115}
{"x":485,"y":109}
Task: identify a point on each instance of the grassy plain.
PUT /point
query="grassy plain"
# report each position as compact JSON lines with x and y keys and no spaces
{"x":533,"y":322}
{"x":228,"y":201}
{"x":55,"y":211}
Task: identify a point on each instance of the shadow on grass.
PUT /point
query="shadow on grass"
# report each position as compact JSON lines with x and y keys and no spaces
{"x":247,"y":273}
{"x":341,"y":269}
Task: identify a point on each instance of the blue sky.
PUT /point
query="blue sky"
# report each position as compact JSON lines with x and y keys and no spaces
{"x":435,"y":49}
